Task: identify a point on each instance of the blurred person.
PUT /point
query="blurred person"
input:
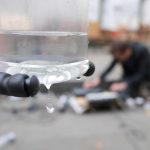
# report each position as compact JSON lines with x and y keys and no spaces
{"x":135,"y":61}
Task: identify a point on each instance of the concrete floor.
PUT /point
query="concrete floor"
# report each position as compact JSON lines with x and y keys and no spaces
{"x":128,"y":130}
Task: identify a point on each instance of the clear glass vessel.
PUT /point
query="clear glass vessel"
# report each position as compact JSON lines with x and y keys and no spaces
{"x":46,"y":38}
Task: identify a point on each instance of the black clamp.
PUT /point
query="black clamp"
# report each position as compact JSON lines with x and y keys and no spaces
{"x":91,"y":70}
{"x":18,"y":85}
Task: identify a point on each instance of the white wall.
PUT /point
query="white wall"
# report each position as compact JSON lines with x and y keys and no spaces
{"x":146,"y":12}
{"x":94,"y":10}
{"x":120,"y":13}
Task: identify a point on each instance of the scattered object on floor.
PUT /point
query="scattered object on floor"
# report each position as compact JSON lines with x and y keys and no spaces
{"x":79,"y":104}
{"x":133,"y":102}
{"x":103,"y":96}
{"x":7,"y":139}
{"x":139,"y":101}
{"x":147,"y":108}
{"x":62,"y":103}
{"x":130,"y":102}
{"x":106,"y":99}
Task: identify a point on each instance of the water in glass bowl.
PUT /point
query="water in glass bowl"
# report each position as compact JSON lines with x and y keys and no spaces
{"x":53,"y":57}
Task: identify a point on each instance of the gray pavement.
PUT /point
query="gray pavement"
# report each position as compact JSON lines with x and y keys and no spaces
{"x":128,"y":130}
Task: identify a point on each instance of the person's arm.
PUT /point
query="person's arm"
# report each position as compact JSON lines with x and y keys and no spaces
{"x":96,"y":82}
{"x":108,"y":69}
{"x":143,"y":68}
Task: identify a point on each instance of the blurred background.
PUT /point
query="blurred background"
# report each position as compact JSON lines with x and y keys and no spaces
{"x":111,"y":19}
{"x":63,"y":119}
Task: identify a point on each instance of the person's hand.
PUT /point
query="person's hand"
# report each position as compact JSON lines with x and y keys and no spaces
{"x":91,"y":84}
{"x":118,"y":87}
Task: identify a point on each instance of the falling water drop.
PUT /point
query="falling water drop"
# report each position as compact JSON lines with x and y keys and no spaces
{"x":78,"y":78}
{"x":50,"y":109}
{"x":48,"y":86}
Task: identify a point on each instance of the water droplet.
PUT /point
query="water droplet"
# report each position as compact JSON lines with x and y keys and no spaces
{"x":78,"y":78}
{"x":50,"y":109}
{"x":48,"y":86}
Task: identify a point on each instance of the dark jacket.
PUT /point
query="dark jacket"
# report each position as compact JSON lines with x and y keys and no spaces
{"x":136,"y":69}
